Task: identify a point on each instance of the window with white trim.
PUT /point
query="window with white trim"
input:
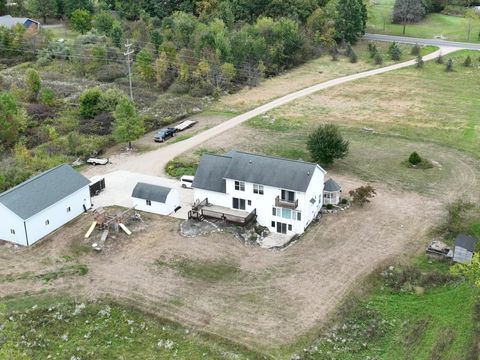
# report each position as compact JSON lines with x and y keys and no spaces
{"x":149,"y":202}
{"x":258,"y":189}
{"x":239,"y":185}
{"x":12,"y":231}
{"x":238,"y":204}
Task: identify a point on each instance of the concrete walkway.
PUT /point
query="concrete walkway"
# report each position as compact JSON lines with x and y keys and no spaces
{"x":153,"y":162}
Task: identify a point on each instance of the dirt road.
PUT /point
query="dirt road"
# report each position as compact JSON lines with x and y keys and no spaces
{"x":153,"y":162}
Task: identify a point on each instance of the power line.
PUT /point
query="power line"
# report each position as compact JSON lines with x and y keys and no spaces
{"x":127,"y":53}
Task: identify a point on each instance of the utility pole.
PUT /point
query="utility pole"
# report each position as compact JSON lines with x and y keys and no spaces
{"x":127,"y":53}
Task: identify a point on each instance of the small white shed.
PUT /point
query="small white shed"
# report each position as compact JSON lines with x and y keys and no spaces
{"x":464,"y":249}
{"x":155,"y":199}
{"x":331,"y":192}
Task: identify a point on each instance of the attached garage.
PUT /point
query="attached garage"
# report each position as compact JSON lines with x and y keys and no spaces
{"x":42,"y":204}
{"x":155,"y":199}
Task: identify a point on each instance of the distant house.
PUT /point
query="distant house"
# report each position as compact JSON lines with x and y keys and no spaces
{"x":464,"y":249}
{"x":155,"y":199}
{"x":331,"y":192}
{"x":284,"y":195}
{"x":42,"y":204}
{"x":30,"y":24}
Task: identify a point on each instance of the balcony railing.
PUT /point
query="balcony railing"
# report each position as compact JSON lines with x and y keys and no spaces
{"x":286,"y":203}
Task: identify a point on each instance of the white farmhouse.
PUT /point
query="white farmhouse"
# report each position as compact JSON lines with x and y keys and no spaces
{"x":42,"y":204}
{"x":155,"y":199}
{"x":285,"y":195}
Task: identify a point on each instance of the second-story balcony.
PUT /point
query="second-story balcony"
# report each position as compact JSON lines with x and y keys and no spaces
{"x":286,"y":203}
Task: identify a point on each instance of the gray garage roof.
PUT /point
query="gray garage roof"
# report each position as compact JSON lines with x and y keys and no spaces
{"x":9,"y":21}
{"x":151,"y":192}
{"x":466,"y":242}
{"x":43,"y":190}
{"x":258,"y":169}
{"x":210,"y":174}
{"x":331,"y":186}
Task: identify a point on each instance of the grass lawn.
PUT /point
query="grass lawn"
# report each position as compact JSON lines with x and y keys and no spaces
{"x":452,"y":27}
{"x":55,"y":328}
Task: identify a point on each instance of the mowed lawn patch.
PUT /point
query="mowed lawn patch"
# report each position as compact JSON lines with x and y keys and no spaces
{"x":453,"y":28}
{"x":56,"y":328}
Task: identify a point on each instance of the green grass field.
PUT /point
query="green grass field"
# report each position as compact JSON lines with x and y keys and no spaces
{"x":410,"y":322}
{"x":452,"y":27}
{"x":55,"y":328}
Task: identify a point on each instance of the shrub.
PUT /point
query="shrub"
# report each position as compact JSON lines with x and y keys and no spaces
{"x":378,"y":59}
{"x":178,"y":168}
{"x":89,"y":101}
{"x":414,"y":158}
{"x":449,"y":66}
{"x":329,"y":206}
{"x":334,"y":52}
{"x":34,"y":83}
{"x":40,"y":111}
{"x":326,"y":144}
{"x":395,"y":52}
{"x":99,"y":125}
{"x":344,"y":201}
{"x":439,"y":59}
{"x":110,"y":72}
{"x":468,"y":61}
{"x":415,"y":50}
{"x":361,"y":195}
{"x":372,"y":49}
{"x":47,"y":97}
{"x":419,"y":62}
{"x":202,"y":89}
{"x":353,"y":57}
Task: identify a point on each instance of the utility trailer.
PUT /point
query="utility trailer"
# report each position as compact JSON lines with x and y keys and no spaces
{"x":97,"y":184}
{"x":184,"y":125}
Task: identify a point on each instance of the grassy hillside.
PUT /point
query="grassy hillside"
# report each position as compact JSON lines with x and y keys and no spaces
{"x":53,"y":328}
{"x":452,"y":27}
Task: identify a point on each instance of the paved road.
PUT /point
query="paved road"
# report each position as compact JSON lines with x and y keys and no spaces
{"x":153,"y":162}
{"x":412,"y":40}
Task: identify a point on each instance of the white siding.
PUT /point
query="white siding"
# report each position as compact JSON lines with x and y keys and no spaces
{"x":167,"y":208}
{"x":10,"y":221}
{"x":265,"y":203}
{"x":57,"y":215}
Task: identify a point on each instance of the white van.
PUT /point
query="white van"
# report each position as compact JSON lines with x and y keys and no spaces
{"x":186,"y":181}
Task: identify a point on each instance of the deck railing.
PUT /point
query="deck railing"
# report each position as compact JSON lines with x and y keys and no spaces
{"x":286,"y":203}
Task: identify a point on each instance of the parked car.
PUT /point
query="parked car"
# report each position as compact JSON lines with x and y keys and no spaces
{"x":186,"y":181}
{"x":98,"y":161}
{"x":164,"y":134}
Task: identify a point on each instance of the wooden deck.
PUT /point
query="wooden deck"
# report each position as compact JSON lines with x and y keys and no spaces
{"x":207,"y":210}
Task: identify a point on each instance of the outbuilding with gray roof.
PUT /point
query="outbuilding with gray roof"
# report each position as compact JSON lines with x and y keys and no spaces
{"x":155,"y":199}
{"x":42,"y":204}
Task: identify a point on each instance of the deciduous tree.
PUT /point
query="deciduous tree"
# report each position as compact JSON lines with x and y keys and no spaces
{"x":42,"y":8}
{"x":34,"y":83}
{"x":81,"y":21}
{"x":408,"y":12}
{"x":362,"y":195}
{"x":13,"y":120}
{"x":128,"y":125}
{"x":351,"y":20}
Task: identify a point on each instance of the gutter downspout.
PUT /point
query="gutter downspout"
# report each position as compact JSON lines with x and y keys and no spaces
{"x":26,"y":234}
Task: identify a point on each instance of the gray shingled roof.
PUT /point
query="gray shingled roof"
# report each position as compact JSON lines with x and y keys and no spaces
{"x":151,"y":192}
{"x":258,"y":169}
{"x":9,"y":21}
{"x":210,"y":174}
{"x":331,"y":186}
{"x":43,"y":190}
{"x":466,"y":242}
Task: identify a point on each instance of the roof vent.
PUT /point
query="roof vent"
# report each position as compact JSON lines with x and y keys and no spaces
{"x":249,"y":161}
{"x":308,"y":173}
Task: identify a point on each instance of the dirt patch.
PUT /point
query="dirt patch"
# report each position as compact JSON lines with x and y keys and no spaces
{"x":270,"y":298}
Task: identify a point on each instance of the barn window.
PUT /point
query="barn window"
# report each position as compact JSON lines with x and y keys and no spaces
{"x":47,"y":222}
{"x":12,"y":231}
{"x":69,"y":209}
{"x":149,"y":202}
